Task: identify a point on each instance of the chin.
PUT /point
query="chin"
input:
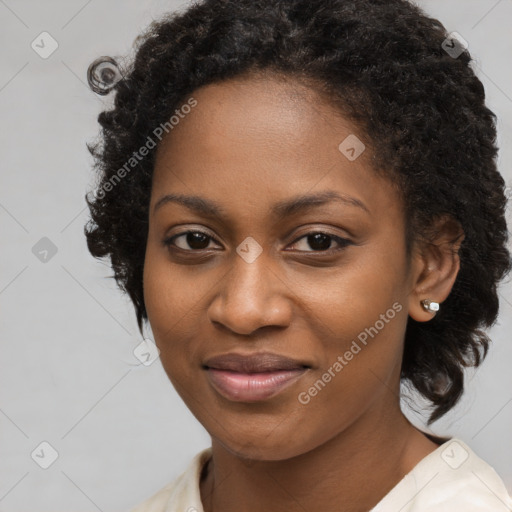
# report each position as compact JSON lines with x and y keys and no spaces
{"x":265,"y":447}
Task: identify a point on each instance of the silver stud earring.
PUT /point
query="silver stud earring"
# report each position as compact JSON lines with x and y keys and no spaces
{"x":430,"y":305}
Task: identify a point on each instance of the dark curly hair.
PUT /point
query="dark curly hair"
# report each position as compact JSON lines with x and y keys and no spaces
{"x":385,"y":65}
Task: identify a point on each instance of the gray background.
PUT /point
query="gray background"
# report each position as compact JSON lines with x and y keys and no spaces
{"x":68,"y":375}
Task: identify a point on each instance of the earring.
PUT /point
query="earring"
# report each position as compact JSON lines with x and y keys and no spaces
{"x":430,"y":305}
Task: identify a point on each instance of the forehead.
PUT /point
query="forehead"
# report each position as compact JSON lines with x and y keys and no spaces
{"x":260,"y":111}
{"x":260,"y":137}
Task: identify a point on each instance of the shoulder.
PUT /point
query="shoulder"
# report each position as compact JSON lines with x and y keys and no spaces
{"x":183,"y":493}
{"x":450,"y":479}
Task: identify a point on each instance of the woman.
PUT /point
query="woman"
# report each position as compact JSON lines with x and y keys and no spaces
{"x":302,"y":199}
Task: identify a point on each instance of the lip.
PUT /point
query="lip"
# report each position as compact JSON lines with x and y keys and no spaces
{"x":252,"y":378}
{"x":253,"y":363}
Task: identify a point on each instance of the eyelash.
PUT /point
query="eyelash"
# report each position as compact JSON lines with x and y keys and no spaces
{"x":343,"y":242}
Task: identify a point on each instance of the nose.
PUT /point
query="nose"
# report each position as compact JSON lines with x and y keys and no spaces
{"x":251,"y":296}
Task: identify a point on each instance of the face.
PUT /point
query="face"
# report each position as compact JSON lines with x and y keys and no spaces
{"x":322,"y":281}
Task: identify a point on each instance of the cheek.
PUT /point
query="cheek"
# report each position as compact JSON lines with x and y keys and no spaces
{"x":168,"y":296}
{"x":356,"y":376}
{"x":167,"y":306}
{"x":359,"y":319}
{"x":173,"y":299}
{"x":342,"y":302}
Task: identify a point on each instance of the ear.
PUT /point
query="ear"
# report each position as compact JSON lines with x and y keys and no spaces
{"x":435,"y":265}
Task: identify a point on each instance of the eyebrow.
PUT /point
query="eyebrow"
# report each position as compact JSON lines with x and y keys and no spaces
{"x":280,"y":210}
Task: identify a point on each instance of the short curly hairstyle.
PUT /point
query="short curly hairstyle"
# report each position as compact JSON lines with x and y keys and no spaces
{"x":386,"y":65}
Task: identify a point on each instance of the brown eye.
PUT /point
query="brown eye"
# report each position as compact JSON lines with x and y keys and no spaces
{"x":195,"y":240}
{"x":319,"y":241}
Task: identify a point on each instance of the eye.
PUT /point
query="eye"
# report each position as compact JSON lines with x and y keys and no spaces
{"x":321,"y":242}
{"x":196,"y":240}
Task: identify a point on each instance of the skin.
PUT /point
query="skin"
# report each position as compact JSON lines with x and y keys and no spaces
{"x":250,"y":143}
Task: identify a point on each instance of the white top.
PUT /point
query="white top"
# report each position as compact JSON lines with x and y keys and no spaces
{"x":452,"y":478}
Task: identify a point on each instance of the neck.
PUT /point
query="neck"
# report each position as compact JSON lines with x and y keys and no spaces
{"x":356,"y":468}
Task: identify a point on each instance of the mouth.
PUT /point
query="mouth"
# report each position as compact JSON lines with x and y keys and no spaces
{"x":252,"y":378}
